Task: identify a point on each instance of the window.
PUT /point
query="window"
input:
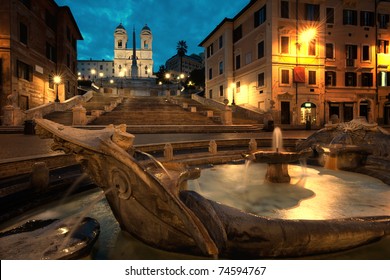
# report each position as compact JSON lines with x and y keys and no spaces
{"x":329,"y":51}
{"x":383,"y":20}
{"x":220,"y":42}
{"x":312,"y":77}
{"x":285,"y":76}
{"x":330,"y":78}
{"x":365,"y":53}
{"x":349,"y":17}
{"x":312,"y":47}
{"x":350,"y":54}
{"x":260,"y":80}
{"x":366,"y":18}
{"x":120,"y":44}
{"x":260,"y":49}
{"x":330,"y":15}
{"x":210,"y":50}
{"x":210,"y":73}
{"x":238,"y":62}
{"x":51,"y":21}
{"x":284,"y":45}
{"x":211,"y":94}
{"x":51,"y":52}
{"x":384,"y":79}
{"x":350,"y":79}
{"x":367,"y":79}
{"x":260,"y":16}
{"x":68,"y":60}
{"x":238,"y":87}
{"x":221,"y":67}
{"x":383,"y":46}
{"x":23,"y":33}
{"x":237,"y":34}
{"x":24,"y":71}
{"x":284,"y":9}
{"x":312,"y":12}
{"x":221,"y":90}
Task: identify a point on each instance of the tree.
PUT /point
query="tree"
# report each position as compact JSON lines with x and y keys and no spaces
{"x":161,"y":74}
{"x":181,"y":51}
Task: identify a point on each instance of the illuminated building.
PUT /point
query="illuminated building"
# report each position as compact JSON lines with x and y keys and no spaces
{"x":303,"y":61}
{"x":38,"y":40}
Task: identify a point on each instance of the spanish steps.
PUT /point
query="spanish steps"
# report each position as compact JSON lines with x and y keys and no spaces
{"x":149,"y":111}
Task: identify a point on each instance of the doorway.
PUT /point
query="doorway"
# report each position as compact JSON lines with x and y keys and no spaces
{"x":348,"y":112}
{"x":363,"y":109}
{"x":386,"y":113}
{"x":285,"y":112}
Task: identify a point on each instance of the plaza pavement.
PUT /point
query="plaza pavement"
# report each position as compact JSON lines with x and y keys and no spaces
{"x":14,"y":146}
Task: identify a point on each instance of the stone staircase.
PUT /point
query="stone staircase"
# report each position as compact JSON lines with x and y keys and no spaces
{"x":152,"y":111}
{"x":98,"y":102}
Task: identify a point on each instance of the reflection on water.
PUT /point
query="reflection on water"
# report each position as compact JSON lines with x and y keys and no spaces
{"x":313,"y":193}
{"x":319,"y":194}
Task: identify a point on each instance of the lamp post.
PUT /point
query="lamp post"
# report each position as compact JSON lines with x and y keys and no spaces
{"x":101,"y":79}
{"x":179,"y":79}
{"x":57,"y":81}
{"x":303,"y":38}
{"x":93,"y":73}
{"x":233,"y":98}
{"x":167,"y":77}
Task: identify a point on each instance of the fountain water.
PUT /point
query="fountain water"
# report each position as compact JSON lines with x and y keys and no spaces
{"x":277,"y":159}
{"x":277,"y":140}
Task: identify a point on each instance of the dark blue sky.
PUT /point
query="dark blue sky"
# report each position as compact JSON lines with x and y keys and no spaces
{"x":169,"y":20}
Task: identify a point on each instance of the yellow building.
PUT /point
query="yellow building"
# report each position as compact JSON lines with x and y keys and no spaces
{"x":303,"y":61}
{"x":38,"y":43}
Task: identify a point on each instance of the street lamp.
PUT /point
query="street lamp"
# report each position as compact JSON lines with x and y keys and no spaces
{"x":121,"y":74}
{"x":93,"y":73}
{"x":101,"y":79}
{"x":233,"y":85}
{"x":57,"y":81}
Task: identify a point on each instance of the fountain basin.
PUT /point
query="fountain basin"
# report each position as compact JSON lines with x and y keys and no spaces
{"x":154,"y":209}
{"x":342,"y":157}
{"x":277,"y":171}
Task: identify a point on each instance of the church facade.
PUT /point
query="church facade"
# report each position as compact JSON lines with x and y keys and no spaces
{"x":130,"y":61}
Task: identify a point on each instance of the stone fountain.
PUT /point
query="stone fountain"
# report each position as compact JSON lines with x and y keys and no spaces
{"x":347,"y":146}
{"x":277,"y":159}
{"x":152,"y":204}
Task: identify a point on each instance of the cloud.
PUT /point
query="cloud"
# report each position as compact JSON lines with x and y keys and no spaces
{"x":170,"y":22}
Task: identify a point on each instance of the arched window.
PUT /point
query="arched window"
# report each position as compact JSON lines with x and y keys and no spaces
{"x":120,"y":44}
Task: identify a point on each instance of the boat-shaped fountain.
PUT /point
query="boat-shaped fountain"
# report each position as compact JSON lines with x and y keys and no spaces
{"x":153,"y":205}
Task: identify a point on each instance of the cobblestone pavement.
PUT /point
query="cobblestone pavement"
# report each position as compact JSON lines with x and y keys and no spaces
{"x":20,"y":145}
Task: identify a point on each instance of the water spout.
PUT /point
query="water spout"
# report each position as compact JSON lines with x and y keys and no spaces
{"x":277,"y":140}
{"x":158,"y":163}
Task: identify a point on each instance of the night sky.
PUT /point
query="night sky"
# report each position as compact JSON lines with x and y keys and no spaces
{"x":170,"y":21}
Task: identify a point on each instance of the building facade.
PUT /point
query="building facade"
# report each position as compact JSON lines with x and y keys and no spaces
{"x":188,"y":64}
{"x":121,"y":66}
{"x":38,"y":40}
{"x":303,"y":61}
{"x":94,"y":69}
{"x":123,"y":54}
